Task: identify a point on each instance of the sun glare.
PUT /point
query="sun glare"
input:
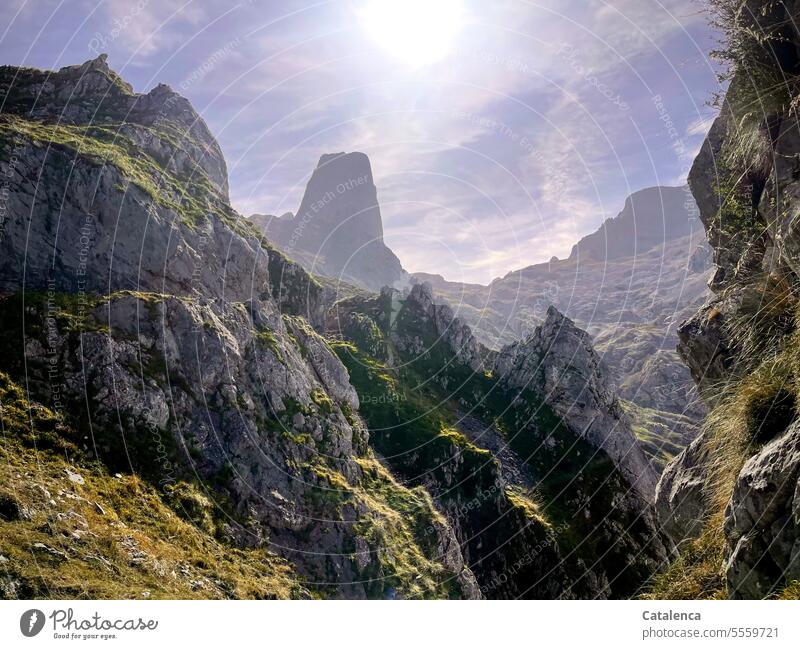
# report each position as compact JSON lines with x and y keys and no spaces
{"x":418,"y":32}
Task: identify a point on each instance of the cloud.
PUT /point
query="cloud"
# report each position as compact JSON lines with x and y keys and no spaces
{"x":700,"y":126}
{"x":147,"y":27}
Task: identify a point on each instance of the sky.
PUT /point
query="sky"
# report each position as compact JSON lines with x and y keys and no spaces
{"x":499,"y":132}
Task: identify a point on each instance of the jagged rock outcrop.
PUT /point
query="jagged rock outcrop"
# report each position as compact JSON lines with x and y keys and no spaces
{"x":105,"y":223}
{"x":161,"y":123}
{"x":741,"y":346}
{"x":338,"y":230}
{"x":762,"y":523}
{"x":180,"y":341}
{"x":559,"y":362}
{"x":451,"y":331}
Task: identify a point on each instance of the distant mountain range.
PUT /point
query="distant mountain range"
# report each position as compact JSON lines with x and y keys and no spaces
{"x":629,"y":284}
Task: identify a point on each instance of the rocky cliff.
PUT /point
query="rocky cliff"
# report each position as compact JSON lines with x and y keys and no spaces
{"x":338,"y":230}
{"x":731,"y":498}
{"x":174,"y":345}
{"x":496,"y":444}
{"x":637,"y":277}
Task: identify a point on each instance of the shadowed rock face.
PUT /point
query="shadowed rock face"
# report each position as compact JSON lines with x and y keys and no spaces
{"x":337,"y":230}
{"x":763,"y":519}
{"x":650,"y":217}
{"x":559,"y":362}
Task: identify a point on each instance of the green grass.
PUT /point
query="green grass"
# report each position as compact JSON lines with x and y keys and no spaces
{"x":111,"y":536}
{"x":401,"y":524}
{"x":758,"y":403}
{"x":655,"y":429}
{"x":698,"y":572}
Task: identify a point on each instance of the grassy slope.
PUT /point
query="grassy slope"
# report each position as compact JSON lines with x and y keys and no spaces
{"x":69,"y":529}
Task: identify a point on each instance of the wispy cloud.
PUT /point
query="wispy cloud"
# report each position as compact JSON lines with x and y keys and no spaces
{"x":526,"y":137}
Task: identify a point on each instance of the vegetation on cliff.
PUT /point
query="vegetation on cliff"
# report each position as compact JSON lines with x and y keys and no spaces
{"x":744,"y":346}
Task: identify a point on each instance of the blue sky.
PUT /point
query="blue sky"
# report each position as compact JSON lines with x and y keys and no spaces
{"x":531,"y":127}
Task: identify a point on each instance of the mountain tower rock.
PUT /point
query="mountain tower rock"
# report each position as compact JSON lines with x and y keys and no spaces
{"x":337,"y":230}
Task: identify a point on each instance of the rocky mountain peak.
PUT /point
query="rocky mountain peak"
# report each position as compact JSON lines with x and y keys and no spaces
{"x":344,"y":182}
{"x":558,"y":361}
{"x":338,"y":230}
{"x":161,"y":123}
{"x":449,"y":329}
{"x":650,"y":217}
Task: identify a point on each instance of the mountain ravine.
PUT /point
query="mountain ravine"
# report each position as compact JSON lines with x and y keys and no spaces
{"x":629,"y":284}
{"x":188,"y":413}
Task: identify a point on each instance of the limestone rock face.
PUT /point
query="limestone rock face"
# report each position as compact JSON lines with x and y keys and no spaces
{"x":160,"y":123}
{"x":762,"y":521}
{"x":173,"y":372}
{"x":183,"y":344}
{"x":680,"y":498}
{"x":451,"y":331}
{"x":559,"y":362}
{"x":704,"y":343}
{"x":338,"y":231}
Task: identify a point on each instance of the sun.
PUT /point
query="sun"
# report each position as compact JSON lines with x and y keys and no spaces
{"x":417,"y":32}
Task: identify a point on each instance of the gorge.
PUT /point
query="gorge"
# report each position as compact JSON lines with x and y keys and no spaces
{"x":196,"y":404}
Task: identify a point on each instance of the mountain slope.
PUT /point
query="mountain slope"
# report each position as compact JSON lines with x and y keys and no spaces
{"x":176,"y":341}
{"x":627,"y":284}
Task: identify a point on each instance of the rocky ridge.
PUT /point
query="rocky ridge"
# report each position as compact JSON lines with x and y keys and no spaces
{"x":559,"y":361}
{"x":180,"y":342}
